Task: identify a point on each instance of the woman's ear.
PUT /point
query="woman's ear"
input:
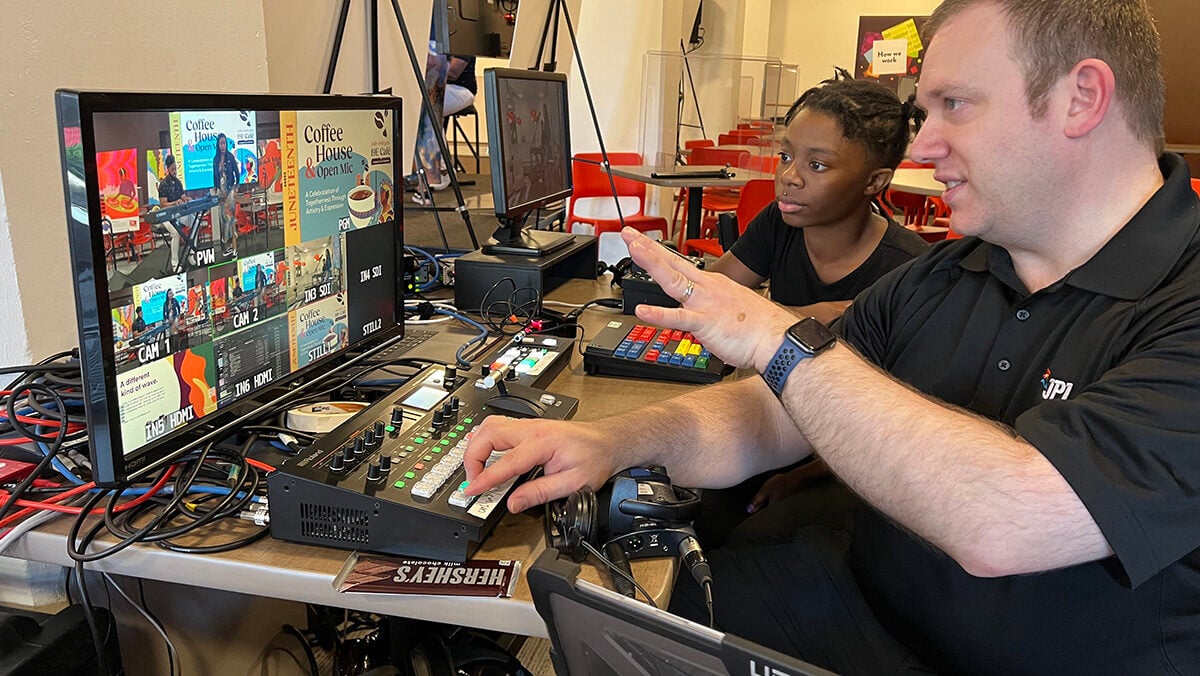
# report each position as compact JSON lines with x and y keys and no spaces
{"x":878,"y":180}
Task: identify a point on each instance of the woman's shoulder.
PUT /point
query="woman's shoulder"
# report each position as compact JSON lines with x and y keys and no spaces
{"x":902,"y":240}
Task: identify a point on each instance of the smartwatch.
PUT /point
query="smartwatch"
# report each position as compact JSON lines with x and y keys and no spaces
{"x":806,"y":338}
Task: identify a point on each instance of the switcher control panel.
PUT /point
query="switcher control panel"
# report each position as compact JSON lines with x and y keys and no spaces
{"x":390,"y":479}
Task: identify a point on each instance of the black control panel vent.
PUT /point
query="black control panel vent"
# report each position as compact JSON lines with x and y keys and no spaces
{"x":340,"y":524}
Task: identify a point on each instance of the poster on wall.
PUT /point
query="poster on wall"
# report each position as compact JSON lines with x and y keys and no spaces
{"x":891,"y":51}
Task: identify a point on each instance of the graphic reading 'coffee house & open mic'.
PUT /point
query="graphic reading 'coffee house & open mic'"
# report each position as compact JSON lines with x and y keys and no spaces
{"x":243,"y":245}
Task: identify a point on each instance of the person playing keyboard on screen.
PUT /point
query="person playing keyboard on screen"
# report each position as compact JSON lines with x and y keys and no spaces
{"x":823,"y":241}
{"x":1018,"y":407}
{"x":170,"y":188}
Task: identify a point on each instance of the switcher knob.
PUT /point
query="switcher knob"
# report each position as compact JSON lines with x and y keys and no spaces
{"x":397,"y":416}
{"x":379,"y":429}
{"x":338,"y":462}
{"x":450,"y":379}
{"x":454,"y":404}
{"x":373,"y":473}
{"x":359,"y":449}
{"x":439,"y":418}
{"x":369,"y":439}
{"x":385,"y":462}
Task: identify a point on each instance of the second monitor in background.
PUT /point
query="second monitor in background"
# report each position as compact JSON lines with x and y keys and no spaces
{"x":530,"y":139}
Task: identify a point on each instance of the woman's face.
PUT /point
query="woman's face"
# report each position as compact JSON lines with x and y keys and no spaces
{"x":222,"y":144}
{"x":822,"y":177}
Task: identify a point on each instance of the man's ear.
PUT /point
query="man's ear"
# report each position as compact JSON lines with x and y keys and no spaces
{"x":877,"y":181}
{"x":1091,"y":86}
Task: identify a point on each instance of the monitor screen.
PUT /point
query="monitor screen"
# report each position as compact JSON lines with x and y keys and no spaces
{"x":531,"y":137}
{"x":222,"y":245}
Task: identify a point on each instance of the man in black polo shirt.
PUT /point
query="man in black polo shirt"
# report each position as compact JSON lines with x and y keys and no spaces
{"x":1022,"y":411}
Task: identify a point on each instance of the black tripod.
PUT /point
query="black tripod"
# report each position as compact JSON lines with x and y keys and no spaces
{"x":426,"y":104}
{"x":558,"y":10}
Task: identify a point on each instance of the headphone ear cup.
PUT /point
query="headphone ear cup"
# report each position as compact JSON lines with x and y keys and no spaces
{"x":579,"y":522}
{"x":689,"y":503}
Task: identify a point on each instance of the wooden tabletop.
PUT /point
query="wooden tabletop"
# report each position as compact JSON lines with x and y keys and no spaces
{"x":305,"y":573}
{"x":917,"y":181}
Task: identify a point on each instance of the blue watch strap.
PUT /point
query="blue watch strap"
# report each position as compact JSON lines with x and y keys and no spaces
{"x":786,"y":357}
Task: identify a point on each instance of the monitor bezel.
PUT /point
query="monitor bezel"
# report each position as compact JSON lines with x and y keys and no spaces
{"x":496,"y":157}
{"x":111,"y":466}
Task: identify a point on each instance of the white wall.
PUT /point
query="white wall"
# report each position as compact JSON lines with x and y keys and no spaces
{"x":164,"y":45}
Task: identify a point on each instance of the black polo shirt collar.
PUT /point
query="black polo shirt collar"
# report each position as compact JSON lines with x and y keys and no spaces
{"x":1155,"y":237}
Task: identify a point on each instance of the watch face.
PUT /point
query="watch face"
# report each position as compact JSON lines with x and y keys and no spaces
{"x":811,"y":335}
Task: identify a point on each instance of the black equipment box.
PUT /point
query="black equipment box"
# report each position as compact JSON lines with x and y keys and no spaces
{"x":388,"y":480}
{"x":639,"y":288}
{"x":476,"y":273}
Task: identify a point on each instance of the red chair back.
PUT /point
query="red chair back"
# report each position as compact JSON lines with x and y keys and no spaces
{"x":592,"y":181}
{"x":698,"y":143}
{"x":732,"y":140}
{"x":755,"y":197}
{"x":910,"y":164}
{"x":764,"y":163}
{"x":1196,"y":185}
{"x":717,"y":156}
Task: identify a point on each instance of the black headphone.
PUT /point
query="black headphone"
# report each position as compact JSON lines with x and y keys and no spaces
{"x":638,"y":502}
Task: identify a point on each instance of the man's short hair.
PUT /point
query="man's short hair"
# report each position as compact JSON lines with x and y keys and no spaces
{"x":169,"y":161}
{"x":1051,"y":36}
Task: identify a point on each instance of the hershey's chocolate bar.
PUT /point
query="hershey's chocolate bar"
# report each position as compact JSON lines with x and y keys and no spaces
{"x":376,"y":574}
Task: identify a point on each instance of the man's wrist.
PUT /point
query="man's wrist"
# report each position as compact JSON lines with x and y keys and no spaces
{"x":769,"y":341}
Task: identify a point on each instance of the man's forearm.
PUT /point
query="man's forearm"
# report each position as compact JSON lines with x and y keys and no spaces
{"x":713,"y":437}
{"x":964,"y":483}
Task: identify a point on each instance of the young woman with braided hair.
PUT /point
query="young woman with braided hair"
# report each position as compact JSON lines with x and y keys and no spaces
{"x":823,"y":240}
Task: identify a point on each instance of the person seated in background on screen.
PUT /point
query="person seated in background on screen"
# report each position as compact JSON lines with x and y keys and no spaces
{"x":139,"y":323}
{"x":823,"y":241}
{"x":1017,"y":408}
{"x":170,"y":188}
{"x":125,"y":186}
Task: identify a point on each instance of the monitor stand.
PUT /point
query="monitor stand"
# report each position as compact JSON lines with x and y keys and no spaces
{"x":532,"y":243}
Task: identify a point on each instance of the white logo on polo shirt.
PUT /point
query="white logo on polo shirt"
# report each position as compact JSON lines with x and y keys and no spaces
{"x":1053,"y":388}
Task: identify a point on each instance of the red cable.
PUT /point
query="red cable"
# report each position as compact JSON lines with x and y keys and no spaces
{"x":50,"y":503}
{"x":258,"y":464}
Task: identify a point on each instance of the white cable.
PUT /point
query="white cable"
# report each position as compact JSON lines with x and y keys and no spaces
{"x":24,"y":527}
{"x":562,"y":304}
{"x":172,"y":654}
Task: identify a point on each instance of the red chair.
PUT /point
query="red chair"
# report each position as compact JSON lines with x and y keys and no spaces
{"x":756,"y":195}
{"x":592,"y":201}
{"x":732,"y":140}
{"x":698,"y":143}
{"x":714,"y":200}
{"x":761,"y":163}
{"x":1196,"y":185}
{"x":743,"y":133}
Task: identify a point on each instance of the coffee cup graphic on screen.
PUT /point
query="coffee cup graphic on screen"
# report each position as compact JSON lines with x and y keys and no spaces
{"x":363,"y":207}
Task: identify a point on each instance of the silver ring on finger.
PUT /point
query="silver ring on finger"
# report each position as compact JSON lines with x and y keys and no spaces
{"x":687,"y":293}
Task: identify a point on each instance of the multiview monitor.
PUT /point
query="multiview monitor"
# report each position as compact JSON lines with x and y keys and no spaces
{"x":222,"y":246}
{"x":530,"y":137}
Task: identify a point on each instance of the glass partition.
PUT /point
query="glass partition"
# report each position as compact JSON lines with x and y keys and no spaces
{"x":692,"y":97}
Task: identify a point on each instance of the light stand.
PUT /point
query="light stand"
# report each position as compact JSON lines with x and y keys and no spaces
{"x":687,"y":70}
{"x":557,"y":9}
{"x":426,"y":105}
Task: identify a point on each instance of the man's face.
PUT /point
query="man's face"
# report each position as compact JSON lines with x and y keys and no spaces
{"x":171,"y":169}
{"x":998,"y":163}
